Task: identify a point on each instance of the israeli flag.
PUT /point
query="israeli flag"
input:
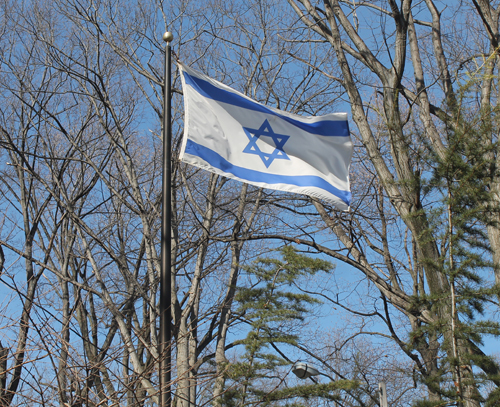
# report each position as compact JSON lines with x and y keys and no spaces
{"x":232,"y":135}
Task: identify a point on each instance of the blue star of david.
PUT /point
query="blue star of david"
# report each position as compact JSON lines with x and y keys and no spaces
{"x":266,"y":131}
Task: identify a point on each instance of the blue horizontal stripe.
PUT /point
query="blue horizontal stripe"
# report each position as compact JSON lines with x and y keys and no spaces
{"x":216,"y":161}
{"x":339,"y":128}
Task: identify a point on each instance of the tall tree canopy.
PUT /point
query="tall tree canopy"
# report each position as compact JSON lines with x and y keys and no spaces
{"x":415,"y":290}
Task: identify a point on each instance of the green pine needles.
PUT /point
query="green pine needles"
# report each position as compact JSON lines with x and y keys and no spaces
{"x":273,"y":310}
{"x":460,"y":182}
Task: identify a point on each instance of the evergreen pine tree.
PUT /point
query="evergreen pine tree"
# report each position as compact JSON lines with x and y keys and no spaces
{"x":463,"y":211}
{"x":271,"y":308}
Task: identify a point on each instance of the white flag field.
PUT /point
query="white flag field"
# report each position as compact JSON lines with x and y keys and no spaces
{"x":228,"y":133}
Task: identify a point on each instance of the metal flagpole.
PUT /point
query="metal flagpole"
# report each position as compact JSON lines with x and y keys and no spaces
{"x":164,"y":351}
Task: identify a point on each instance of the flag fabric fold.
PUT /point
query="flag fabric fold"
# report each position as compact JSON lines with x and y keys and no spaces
{"x":228,"y":133}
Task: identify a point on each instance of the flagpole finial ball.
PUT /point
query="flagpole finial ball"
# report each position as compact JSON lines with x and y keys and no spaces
{"x":168,"y":36}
